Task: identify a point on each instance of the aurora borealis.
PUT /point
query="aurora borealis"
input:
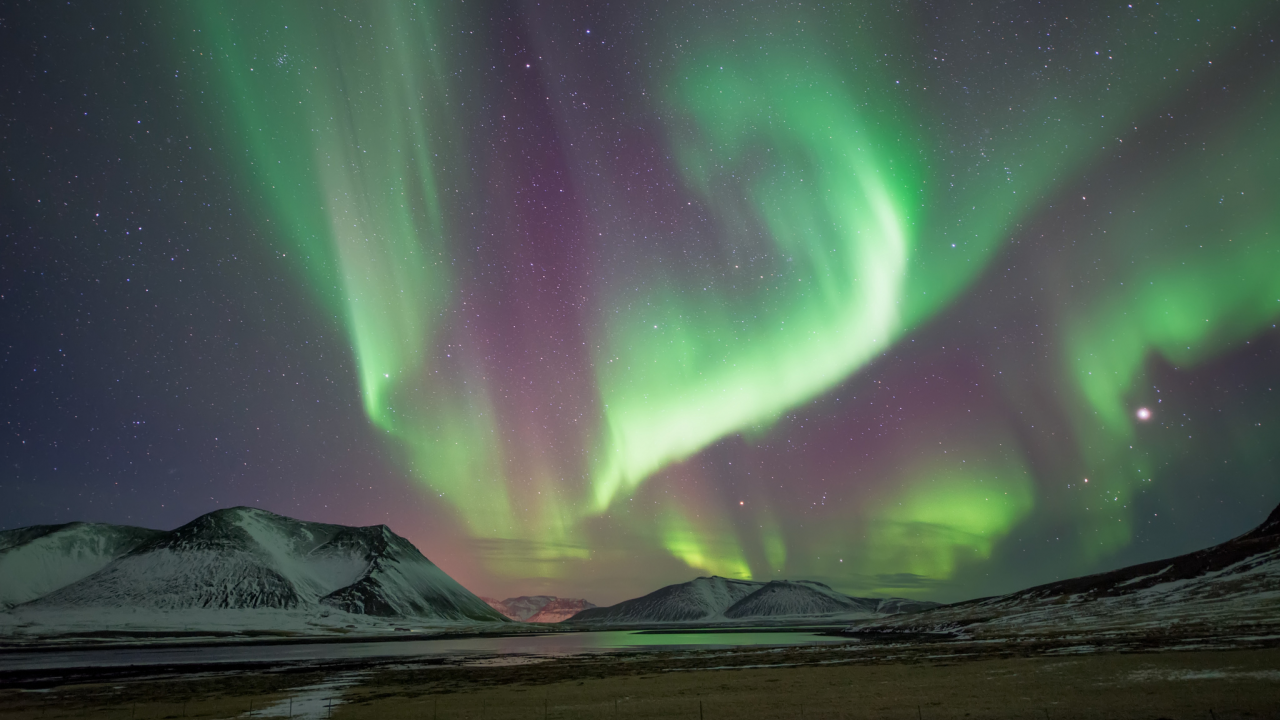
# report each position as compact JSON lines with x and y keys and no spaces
{"x":586,"y":299}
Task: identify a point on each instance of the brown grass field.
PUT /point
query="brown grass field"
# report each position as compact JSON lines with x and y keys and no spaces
{"x":911,"y":683}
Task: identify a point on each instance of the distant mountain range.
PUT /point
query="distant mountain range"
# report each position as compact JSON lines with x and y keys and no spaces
{"x":242,"y":567}
{"x":1234,"y":586}
{"x":717,"y":599}
{"x":539,"y":608}
{"x":235,"y":559}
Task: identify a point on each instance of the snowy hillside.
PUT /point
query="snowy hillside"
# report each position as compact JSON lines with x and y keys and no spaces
{"x":719,"y":599}
{"x":902,"y":606}
{"x":245,"y":559}
{"x":700,"y":599}
{"x":400,"y":581}
{"x":1232,"y":585}
{"x":783,"y":597}
{"x":539,"y":608}
{"x":35,"y":561}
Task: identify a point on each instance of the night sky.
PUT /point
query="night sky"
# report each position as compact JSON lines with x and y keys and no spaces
{"x":922,"y":299}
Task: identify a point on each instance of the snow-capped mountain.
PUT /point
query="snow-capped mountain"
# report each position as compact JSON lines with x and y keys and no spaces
{"x":560,"y":609}
{"x":711,"y":599}
{"x":35,"y":561}
{"x":245,"y":558}
{"x":539,"y":608}
{"x":784,"y":597}
{"x":1234,"y":584}
{"x":700,"y":599}
{"x":519,"y":608}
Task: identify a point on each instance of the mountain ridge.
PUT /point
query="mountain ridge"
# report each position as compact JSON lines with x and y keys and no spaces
{"x":246,"y":558}
{"x":718,"y":599}
{"x":39,"y":559}
{"x":539,"y":608}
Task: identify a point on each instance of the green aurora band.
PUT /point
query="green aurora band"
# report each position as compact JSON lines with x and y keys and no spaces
{"x":341,"y":116}
{"x":1211,"y":285}
{"x":833,"y":198}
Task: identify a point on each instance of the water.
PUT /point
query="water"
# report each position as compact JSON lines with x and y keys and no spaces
{"x":311,"y":702}
{"x":481,"y":649}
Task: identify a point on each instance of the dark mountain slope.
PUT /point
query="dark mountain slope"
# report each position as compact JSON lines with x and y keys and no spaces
{"x":1225,"y":588}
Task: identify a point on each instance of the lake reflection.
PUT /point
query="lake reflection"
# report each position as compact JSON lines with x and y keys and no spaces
{"x":515,"y":646}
